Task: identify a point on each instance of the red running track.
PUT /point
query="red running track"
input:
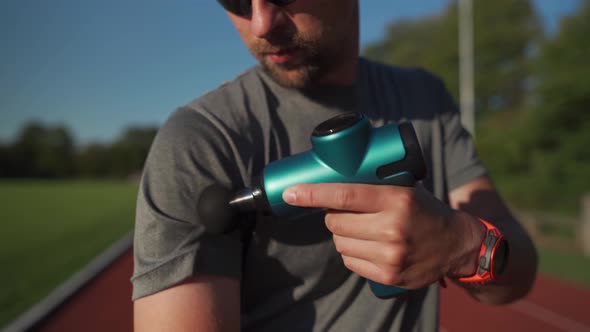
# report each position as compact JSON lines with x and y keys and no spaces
{"x":105,"y":305}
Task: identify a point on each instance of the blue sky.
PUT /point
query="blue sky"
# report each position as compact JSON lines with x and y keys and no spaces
{"x":100,"y":66}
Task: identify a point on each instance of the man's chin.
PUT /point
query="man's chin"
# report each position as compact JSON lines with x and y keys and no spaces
{"x":296,"y":77}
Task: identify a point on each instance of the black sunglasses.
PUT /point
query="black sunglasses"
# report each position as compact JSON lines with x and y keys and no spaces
{"x":244,"y":7}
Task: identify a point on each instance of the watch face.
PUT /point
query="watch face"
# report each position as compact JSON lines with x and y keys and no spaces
{"x":500,"y":258}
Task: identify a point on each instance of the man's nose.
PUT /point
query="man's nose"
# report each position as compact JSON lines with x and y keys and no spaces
{"x":265,"y":17}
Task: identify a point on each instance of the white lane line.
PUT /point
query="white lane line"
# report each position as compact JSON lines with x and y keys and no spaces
{"x":442,"y":329}
{"x":549,"y":317}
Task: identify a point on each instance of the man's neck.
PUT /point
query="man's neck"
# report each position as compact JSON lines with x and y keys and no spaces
{"x":345,"y":74}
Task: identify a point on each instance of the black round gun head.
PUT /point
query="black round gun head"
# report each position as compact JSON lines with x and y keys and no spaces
{"x":215,"y":211}
{"x":337,"y":124}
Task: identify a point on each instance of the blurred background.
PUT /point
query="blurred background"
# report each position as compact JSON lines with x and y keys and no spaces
{"x":84,"y":87}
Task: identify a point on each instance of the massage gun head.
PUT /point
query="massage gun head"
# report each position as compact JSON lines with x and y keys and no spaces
{"x":218,"y":207}
{"x":214,"y":209}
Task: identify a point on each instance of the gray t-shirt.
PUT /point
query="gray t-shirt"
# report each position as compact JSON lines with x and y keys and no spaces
{"x":292,"y":278}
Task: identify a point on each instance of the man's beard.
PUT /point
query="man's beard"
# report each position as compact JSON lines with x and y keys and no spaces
{"x":305,"y":71}
{"x":299,"y":77}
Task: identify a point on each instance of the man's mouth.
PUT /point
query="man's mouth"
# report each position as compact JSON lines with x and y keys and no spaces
{"x":282,"y":56}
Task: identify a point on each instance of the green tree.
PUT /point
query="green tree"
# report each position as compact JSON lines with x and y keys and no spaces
{"x":506,"y":32}
{"x":558,"y":125}
{"x":94,"y":161}
{"x":7,"y":167}
{"x":41,"y":151}
{"x":129,"y":151}
{"x":429,"y":42}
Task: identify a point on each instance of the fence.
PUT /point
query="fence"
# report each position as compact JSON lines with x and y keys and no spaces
{"x":585,"y":225}
{"x":567,"y":234}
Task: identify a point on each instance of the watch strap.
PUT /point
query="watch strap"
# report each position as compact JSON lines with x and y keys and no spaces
{"x":486,"y":271}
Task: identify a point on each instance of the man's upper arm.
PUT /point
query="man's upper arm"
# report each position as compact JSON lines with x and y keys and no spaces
{"x":203,"y":303}
{"x":184,"y":277}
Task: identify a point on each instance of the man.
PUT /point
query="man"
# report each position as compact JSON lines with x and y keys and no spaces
{"x":307,"y":274}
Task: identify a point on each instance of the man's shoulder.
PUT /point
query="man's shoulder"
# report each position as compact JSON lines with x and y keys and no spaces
{"x":229,"y":91}
{"x":220,"y":106}
{"x":406,"y":76}
{"x":405,"y":92}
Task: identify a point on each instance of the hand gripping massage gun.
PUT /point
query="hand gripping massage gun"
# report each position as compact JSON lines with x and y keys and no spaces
{"x":345,"y":149}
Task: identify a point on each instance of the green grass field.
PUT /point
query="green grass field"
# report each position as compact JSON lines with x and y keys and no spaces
{"x":567,"y":266}
{"x":52,"y":229}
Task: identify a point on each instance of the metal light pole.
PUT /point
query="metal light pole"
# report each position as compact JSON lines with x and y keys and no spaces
{"x":467,"y":93}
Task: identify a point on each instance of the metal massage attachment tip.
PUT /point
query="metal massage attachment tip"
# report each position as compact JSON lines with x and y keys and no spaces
{"x":243,"y":200}
{"x":218,"y":207}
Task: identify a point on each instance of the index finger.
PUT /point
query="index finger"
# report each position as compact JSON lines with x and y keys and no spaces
{"x":337,"y":196}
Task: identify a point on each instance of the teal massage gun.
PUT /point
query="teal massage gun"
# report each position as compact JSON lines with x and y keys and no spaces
{"x":345,"y":149}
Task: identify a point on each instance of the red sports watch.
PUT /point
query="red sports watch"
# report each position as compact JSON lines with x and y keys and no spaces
{"x":492,"y":258}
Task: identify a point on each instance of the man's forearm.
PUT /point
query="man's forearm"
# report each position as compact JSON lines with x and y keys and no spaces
{"x":480,"y":199}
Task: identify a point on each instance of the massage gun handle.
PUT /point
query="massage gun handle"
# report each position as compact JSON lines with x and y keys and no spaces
{"x":384,"y":291}
{"x":410,"y":170}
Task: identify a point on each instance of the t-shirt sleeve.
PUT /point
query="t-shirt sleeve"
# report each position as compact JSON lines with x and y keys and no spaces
{"x":462,"y":163}
{"x":189,"y":153}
